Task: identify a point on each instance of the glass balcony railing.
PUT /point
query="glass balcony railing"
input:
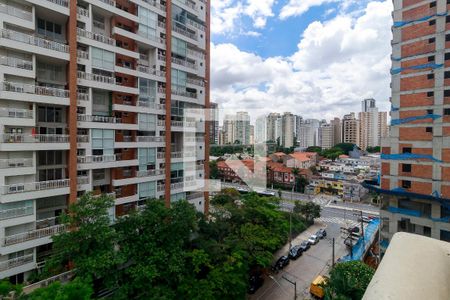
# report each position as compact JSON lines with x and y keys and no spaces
{"x":10,"y":163}
{"x":16,"y":113}
{"x":151,"y":71}
{"x":33,"y":40}
{"x":99,"y":119}
{"x":16,"y":262}
{"x":17,"y":87}
{"x":16,"y":12}
{"x":16,"y":212}
{"x":96,"y":37}
{"x":96,"y":77}
{"x":150,"y":139}
{"x":33,"y":138}
{"x":148,"y":173}
{"x":16,"y":63}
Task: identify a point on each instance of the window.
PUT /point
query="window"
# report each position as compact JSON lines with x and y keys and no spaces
{"x":433,"y":4}
{"x":447,"y":56}
{"x":430,"y":94}
{"x":50,"y":29}
{"x":179,"y":15}
{"x":429,"y":129}
{"x":179,"y":78}
{"x":446,"y":93}
{"x":51,"y":73}
{"x":429,"y":111}
{"x":407,"y":150}
{"x":406,"y":168}
{"x":147,"y":190}
{"x":430,"y":76}
{"x":147,"y":90}
{"x":447,"y":111}
{"x":147,"y":122}
{"x":406,"y":184}
{"x":179,"y":47}
{"x":103,"y":139}
{"x":47,"y":114}
{"x":447,"y":74}
{"x":447,"y":36}
{"x":98,"y":174}
{"x":147,"y":156}
{"x":432,"y":22}
{"x":147,"y":23}
{"x":102,"y":59}
{"x":101,"y":103}
{"x":50,"y":158}
{"x":430,"y":58}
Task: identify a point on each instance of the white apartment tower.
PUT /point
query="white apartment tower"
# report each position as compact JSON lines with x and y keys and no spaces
{"x":93,"y":97}
{"x":309,"y":133}
{"x":287,"y":130}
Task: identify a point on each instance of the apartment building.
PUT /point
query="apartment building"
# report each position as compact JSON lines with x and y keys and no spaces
{"x":350,"y":129}
{"x":337,"y":130}
{"x":415,"y":178}
{"x":94,"y":97}
{"x":287,"y":131}
{"x":326,"y":135}
{"x":309,"y":133}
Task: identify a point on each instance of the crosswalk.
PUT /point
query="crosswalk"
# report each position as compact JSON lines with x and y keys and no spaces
{"x":321,"y":201}
{"x":339,"y":221}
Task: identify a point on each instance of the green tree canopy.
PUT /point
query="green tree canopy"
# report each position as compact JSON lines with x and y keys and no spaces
{"x":348,"y":280}
{"x":309,"y":210}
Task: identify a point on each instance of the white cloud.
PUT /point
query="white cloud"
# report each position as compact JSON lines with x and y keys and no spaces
{"x":298,"y":7}
{"x":226,"y":13}
{"x":338,"y":63}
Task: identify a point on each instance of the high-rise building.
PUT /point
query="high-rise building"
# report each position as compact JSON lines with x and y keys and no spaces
{"x":274,"y":127}
{"x":229,"y":129}
{"x":298,"y":122}
{"x":261,"y":129}
{"x":214,"y":125}
{"x":326,"y":135}
{"x":309,"y":133}
{"x":415,"y":181}
{"x":236,"y":128}
{"x":94,"y":97}
{"x":373,"y":125}
{"x":350,"y":129}
{"x":287,"y":130}
{"x":337,"y":130}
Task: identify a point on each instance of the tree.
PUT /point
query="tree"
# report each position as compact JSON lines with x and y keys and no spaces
{"x":309,"y":210}
{"x":213,"y":170}
{"x":316,"y":149}
{"x":7,"y":287}
{"x":74,"y":290}
{"x":345,"y":147}
{"x":348,"y":280}
{"x":300,"y":182}
{"x":373,"y":149}
{"x":280,"y":193}
{"x":89,"y":244}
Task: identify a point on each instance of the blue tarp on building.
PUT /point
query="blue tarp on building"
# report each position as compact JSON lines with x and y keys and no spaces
{"x":361,"y":246}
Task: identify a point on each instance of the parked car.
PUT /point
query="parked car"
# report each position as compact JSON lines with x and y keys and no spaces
{"x":321,"y":233}
{"x":295,"y":252}
{"x":354,"y":229}
{"x":254,"y":283}
{"x":281,"y":263}
{"x":305,"y":245}
{"x":314,"y":239}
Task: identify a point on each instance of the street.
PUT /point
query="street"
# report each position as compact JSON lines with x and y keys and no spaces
{"x":318,"y":259}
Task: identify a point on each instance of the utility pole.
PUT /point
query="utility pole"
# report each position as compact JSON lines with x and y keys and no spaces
{"x":332,"y":258}
{"x":290,"y":222}
{"x":293,"y":283}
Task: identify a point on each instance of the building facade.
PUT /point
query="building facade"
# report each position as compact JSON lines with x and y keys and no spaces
{"x":287,"y":130}
{"x":415,"y":178}
{"x":261,"y":129}
{"x":309,"y":133}
{"x":337,"y":131}
{"x":214,"y":125}
{"x":350,"y":129}
{"x":94,"y":98}
{"x":326,"y":136}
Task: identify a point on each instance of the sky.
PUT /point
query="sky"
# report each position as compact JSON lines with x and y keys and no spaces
{"x":315,"y":58}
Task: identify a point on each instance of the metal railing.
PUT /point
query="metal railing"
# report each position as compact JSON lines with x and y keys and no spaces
{"x":194,"y":81}
{"x":152,"y":105}
{"x":153,"y":38}
{"x":36,"y":138}
{"x":16,"y":12}
{"x":64,"y":3}
{"x":161,"y":155}
{"x":15,"y":163}
{"x":99,"y":119}
{"x":7,"y":112}
{"x":97,"y":159}
{"x":148,"y":173}
{"x":109,"y":2}
{"x":184,"y":93}
{"x":162,"y":123}
{"x":18,"y":87}
{"x":194,"y":24}
{"x":16,"y":262}
{"x":16,"y":63}
{"x":96,"y":77}
{"x":16,"y":212}
{"x":151,"y":139}
{"x":33,"y":40}
{"x":82,"y":12}
{"x":184,"y":32}
{"x":184,"y":63}
{"x":95,"y":36}
{"x":156,"y":4}
{"x":82,"y":138}
{"x":151,"y":71}
{"x":33,"y":234}
{"x":82,"y":96}
{"x":63,"y":277}
{"x":35,"y":186}
{"x":82,"y":54}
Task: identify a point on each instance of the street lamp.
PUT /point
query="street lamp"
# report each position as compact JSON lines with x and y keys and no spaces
{"x":293,"y":283}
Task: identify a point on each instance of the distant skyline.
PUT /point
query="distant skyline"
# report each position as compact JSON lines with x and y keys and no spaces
{"x":315,"y":58}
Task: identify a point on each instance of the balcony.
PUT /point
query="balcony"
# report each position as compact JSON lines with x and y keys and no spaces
{"x":194,"y":25}
{"x":156,"y":4}
{"x":184,"y":63}
{"x":82,"y":12}
{"x":36,"y":138}
{"x":83,"y":180}
{"x":16,"y":212}
{"x":82,"y":54}
{"x":16,"y":63}
{"x":34,"y":186}
{"x":151,"y":71}
{"x":97,"y":159}
{"x":63,"y":3}
{"x":82,"y":139}
{"x":151,"y":139}
{"x":194,"y":81}
{"x":96,"y":37}
{"x":16,"y":12}
{"x":16,"y":113}
{"x":16,"y":163}
{"x":98,"y":119}
{"x":196,"y":54}
{"x":33,"y":40}
{"x":184,"y":93}
{"x":162,"y":123}
{"x":17,"y":87}
{"x":187,"y":3}
{"x":148,"y":173}
{"x":96,"y":77}
{"x":176,"y":28}
{"x":177,"y":186}
{"x":16,"y":262}
{"x":151,"y":105}
{"x":181,"y":154}
{"x":33,"y":234}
